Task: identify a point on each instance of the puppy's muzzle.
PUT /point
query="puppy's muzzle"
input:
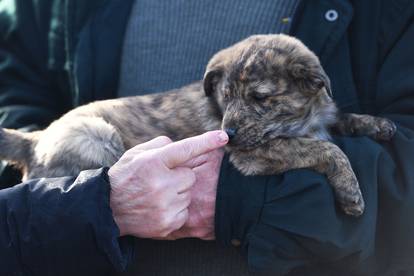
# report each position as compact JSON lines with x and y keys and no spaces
{"x":231,"y":132}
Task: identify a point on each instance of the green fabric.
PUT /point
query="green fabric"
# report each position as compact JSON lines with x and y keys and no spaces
{"x":367,"y":52}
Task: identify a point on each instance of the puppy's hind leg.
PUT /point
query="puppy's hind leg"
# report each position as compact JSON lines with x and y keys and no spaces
{"x":74,"y":144}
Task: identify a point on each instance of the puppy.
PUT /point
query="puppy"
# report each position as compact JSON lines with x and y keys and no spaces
{"x":268,"y":92}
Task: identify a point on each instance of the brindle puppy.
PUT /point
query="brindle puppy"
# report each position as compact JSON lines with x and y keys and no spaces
{"x":269,"y":92}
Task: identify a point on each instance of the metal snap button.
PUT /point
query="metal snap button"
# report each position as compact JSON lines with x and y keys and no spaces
{"x":331,"y":15}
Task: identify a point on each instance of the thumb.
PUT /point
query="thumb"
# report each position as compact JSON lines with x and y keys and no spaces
{"x":175,"y":154}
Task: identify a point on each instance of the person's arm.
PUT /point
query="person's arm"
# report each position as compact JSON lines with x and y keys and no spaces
{"x":289,"y":221}
{"x":67,"y":226}
{"x":61,"y":226}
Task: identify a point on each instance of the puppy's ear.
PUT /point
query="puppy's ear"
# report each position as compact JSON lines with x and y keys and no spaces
{"x":211,"y":80}
{"x":312,"y":79}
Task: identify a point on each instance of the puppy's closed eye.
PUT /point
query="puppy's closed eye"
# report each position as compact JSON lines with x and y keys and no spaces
{"x":285,"y":114}
{"x":257,"y":96}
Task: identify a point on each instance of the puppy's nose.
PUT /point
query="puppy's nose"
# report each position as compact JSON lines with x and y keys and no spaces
{"x":231,"y":132}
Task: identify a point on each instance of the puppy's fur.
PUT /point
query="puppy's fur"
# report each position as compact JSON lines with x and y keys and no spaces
{"x":269,"y":92}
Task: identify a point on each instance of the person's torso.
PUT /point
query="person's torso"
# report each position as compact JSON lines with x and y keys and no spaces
{"x":323,"y":26}
{"x":168,"y":44}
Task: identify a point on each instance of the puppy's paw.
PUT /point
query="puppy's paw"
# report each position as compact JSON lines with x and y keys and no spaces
{"x":348,"y":195}
{"x":353,"y":205}
{"x":385,"y":129}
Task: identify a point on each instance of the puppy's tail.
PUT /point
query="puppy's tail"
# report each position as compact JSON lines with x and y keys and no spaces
{"x":16,"y":146}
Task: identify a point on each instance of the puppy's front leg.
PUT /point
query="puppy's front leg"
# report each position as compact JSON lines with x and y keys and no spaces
{"x":324,"y":157}
{"x":376,"y":128}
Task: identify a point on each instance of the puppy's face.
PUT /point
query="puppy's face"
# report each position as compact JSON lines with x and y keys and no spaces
{"x":268,"y":86}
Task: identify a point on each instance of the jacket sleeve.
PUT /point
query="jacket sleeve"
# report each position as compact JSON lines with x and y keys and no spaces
{"x":289,"y":221}
{"x":61,"y":226}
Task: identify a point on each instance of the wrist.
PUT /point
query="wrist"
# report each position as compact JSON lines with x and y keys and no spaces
{"x":114,"y":205}
{"x":118,"y":219}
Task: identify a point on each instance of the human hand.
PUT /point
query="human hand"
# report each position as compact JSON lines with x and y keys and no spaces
{"x":150,"y":185}
{"x":200,"y":222}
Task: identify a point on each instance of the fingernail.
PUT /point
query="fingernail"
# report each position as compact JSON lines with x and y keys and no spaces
{"x":223,"y":137}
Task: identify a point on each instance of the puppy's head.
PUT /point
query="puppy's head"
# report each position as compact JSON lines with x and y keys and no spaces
{"x":269,"y":86}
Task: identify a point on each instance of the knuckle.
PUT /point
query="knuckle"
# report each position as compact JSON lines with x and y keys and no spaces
{"x":166,"y":221}
{"x":180,"y":219}
{"x":192,"y":177}
{"x":189,"y":176}
{"x":189,"y":148}
{"x":162,"y":206}
{"x":164,"y":233}
{"x":187,"y":199}
{"x":164,"y":140}
{"x":158,"y":186}
{"x":184,"y":216}
{"x":129,"y":152}
{"x":140,"y":160}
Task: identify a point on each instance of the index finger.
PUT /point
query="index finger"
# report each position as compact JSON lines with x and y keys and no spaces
{"x":177,"y":153}
{"x":157,"y":142}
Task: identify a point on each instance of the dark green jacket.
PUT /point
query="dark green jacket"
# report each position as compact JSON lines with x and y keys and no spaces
{"x":58,"y":54}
